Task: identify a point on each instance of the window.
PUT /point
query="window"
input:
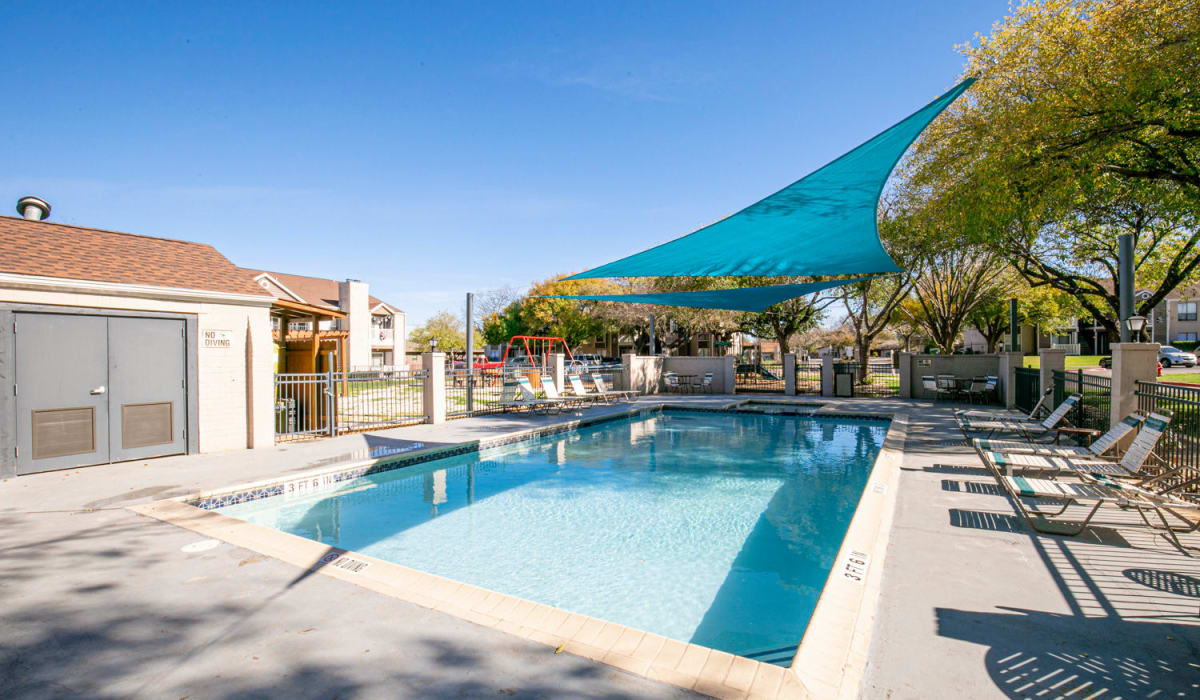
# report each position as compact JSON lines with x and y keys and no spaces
{"x":1187,"y":310}
{"x":1188,"y":337}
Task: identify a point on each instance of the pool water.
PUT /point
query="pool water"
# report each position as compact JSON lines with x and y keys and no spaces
{"x":713,"y":528}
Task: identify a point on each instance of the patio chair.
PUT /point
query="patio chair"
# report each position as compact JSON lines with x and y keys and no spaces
{"x":1097,"y":492}
{"x":603,"y":390}
{"x":929,"y":385}
{"x":1128,"y":466}
{"x":1028,"y":429}
{"x":706,"y":384}
{"x":575,"y":383}
{"x":982,"y":388}
{"x":1103,"y":444}
{"x":672,"y":381}
{"x":947,"y":385}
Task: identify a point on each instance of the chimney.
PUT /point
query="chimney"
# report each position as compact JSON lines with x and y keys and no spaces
{"x":33,"y":208}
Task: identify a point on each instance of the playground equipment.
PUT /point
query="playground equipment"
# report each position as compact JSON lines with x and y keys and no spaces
{"x":537,"y":350}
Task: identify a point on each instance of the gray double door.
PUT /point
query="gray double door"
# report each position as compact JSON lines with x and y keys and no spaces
{"x":95,"y":389}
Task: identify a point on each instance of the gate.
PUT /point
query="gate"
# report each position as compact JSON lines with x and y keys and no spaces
{"x":331,"y":403}
{"x":1028,"y":388}
{"x":763,"y":378}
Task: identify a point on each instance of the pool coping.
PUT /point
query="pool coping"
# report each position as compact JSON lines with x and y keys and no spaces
{"x":829,"y":661}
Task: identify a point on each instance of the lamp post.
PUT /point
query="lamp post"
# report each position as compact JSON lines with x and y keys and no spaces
{"x":1135,"y":324}
{"x":433,"y":345}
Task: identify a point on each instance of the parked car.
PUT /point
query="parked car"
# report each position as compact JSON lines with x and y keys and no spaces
{"x":1170,"y":356}
{"x":1106,"y":363}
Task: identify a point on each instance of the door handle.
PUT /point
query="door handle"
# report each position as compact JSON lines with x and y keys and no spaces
{"x":98,"y":390}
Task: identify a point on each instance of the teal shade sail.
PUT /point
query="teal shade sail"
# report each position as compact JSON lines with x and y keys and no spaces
{"x":739,"y":299}
{"x":822,"y":224}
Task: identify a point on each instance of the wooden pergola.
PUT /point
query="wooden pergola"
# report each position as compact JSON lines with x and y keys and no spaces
{"x":288,"y":311}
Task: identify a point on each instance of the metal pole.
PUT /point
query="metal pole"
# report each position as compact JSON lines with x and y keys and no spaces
{"x":651,"y":334}
{"x":1014,"y":329}
{"x":330,"y":403}
{"x":470,"y":354}
{"x":1125,"y":280}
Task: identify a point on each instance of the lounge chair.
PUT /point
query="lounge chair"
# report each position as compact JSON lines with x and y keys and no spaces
{"x":575,"y":384}
{"x":603,"y":390}
{"x":1029,"y":429}
{"x":1130,"y":464}
{"x":552,"y":394}
{"x":1103,"y":444}
{"x":530,"y":400}
{"x":1034,"y":415}
{"x":1097,"y":492}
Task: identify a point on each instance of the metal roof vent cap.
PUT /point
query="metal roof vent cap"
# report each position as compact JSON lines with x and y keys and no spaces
{"x":33,"y":208}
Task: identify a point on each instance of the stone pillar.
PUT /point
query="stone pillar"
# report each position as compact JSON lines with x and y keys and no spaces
{"x":905,"y":370}
{"x":626,"y":372}
{"x":1131,"y":363}
{"x":827,"y":375}
{"x":434,"y":395}
{"x":730,"y":375}
{"x":789,"y":374}
{"x":556,"y":363}
{"x":1050,"y":360}
{"x":1009,"y":362}
{"x":399,"y":340}
{"x":354,"y":301}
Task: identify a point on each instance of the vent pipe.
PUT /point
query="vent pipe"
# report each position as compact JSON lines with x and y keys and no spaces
{"x":33,"y":208}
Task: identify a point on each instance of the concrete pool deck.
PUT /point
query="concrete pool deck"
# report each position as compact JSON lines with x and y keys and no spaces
{"x":101,"y":602}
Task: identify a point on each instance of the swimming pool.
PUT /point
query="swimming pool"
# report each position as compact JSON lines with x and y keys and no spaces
{"x":712,"y":528}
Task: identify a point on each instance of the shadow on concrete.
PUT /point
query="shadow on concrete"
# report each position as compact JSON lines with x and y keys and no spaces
{"x":114,"y":609}
{"x":976,"y":487}
{"x":1040,"y":654}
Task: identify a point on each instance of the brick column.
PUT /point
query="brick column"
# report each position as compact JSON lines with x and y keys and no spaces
{"x":827,"y":375}
{"x":626,"y":372}
{"x":434,"y":394}
{"x":789,"y":374}
{"x":730,"y":375}
{"x":1050,"y":360}
{"x":1132,"y":362}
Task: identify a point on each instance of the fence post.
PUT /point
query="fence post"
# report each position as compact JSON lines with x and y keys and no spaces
{"x":789,"y":374}
{"x":730,"y":374}
{"x":1050,"y":359}
{"x":905,"y":371}
{"x":626,"y":372}
{"x":330,"y":401}
{"x":434,"y":394}
{"x":827,"y":375}
{"x":1131,"y":363}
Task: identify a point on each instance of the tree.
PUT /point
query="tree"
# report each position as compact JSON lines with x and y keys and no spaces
{"x":1084,"y":123}
{"x":952,"y":283}
{"x":788,"y":318}
{"x":869,"y":307}
{"x":446,"y":327}
{"x":575,"y":321}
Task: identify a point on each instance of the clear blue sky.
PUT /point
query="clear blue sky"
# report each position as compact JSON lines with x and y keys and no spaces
{"x":437,"y":148}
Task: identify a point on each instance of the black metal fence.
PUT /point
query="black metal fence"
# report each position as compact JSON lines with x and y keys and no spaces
{"x":763,"y":377}
{"x":1028,"y":388}
{"x":808,"y":377}
{"x":869,"y":380}
{"x":483,"y":391}
{"x":1094,"y":411}
{"x":330,"y":403}
{"x":1180,"y":444}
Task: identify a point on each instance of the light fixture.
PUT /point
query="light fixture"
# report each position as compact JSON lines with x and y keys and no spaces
{"x":433,"y":345}
{"x":1135,"y":324}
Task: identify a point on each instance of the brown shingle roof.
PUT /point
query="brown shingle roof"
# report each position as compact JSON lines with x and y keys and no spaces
{"x":51,"y":249}
{"x":317,"y":291}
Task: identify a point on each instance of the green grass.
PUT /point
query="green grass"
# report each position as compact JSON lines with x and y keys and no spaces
{"x":1072,"y":361}
{"x":1189,"y":378}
